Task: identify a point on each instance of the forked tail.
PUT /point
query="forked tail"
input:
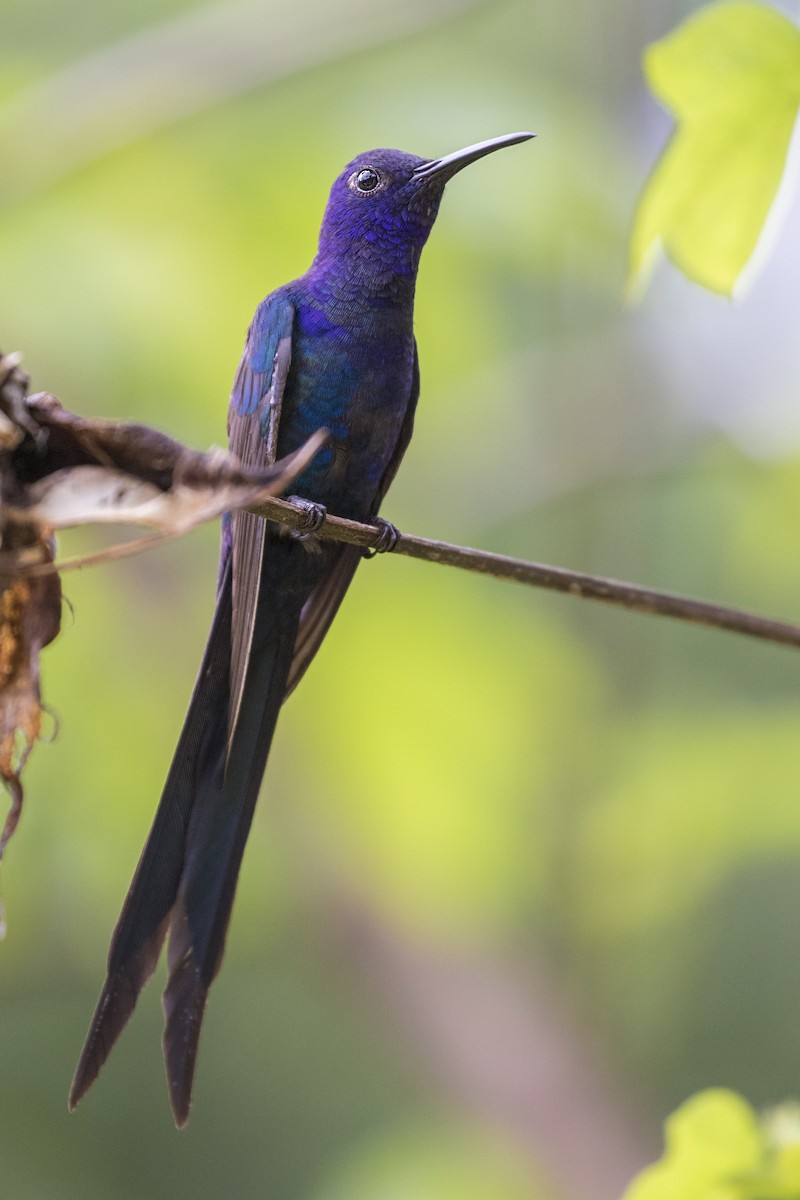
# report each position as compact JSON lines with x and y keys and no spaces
{"x":186,"y":878}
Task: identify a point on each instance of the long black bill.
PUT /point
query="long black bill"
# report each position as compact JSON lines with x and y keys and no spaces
{"x":443,"y":168}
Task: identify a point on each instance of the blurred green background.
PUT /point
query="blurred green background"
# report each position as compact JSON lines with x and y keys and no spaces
{"x":526,"y":872}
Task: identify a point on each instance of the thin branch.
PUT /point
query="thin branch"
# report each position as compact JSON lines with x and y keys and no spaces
{"x":35,"y":416}
{"x":27,"y":564}
{"x":574,"y":583}
{"x":539,"y":575}
{"x":30,"y":563}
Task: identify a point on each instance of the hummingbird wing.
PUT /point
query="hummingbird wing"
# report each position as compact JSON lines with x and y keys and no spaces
{"x":323,"y":603}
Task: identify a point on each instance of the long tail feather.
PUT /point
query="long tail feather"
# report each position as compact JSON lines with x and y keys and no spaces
{"x":214,"y":847}
{"x":145,"y":917}
{"x":186,"y":879}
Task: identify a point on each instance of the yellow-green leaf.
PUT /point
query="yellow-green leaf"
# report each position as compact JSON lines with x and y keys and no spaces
{"x":713,"y":1145}
{"x":731,"y":76}
{"x":718,"y":1149}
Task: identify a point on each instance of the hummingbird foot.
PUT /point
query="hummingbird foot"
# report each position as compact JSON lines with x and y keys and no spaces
{"x":387,"y":538}
{"x":313,"y":517}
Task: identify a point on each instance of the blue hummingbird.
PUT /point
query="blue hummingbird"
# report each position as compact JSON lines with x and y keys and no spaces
{"x":335,"y":349}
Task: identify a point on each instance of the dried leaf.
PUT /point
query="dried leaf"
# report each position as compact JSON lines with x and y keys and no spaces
{"x":30,"y":617}
{"x":57,"y":470}
{"x":113,"y":471}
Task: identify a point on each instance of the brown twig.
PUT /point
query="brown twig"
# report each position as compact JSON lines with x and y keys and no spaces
{"x":539,"y":575}
{"x":28,"y":564}
{"x":21,"y":416}
{"x":558,"y":579}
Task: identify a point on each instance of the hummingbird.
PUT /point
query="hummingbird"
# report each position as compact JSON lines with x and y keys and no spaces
{"x":335,"y":348}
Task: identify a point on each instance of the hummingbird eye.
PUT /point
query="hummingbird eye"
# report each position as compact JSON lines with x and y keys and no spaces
{"x":365,"y":181}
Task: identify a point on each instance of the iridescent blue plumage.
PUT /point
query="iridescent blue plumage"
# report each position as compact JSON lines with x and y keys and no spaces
{"x":334,"y":348}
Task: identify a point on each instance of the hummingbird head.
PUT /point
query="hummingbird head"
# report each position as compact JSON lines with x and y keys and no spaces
{"x":383,"y":205}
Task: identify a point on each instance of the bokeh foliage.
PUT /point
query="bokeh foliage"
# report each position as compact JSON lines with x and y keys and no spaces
{"x":481,"y":771}
{"x":731,"y":76}
{"x":718,"y":1149}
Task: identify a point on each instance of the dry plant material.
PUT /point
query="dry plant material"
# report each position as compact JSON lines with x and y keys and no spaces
{"x":59,"y":470}
{"x":30,"y":617}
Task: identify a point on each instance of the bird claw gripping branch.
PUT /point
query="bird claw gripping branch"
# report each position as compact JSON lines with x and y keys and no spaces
{"x":313,"y":517}
{"x":387,"y":539}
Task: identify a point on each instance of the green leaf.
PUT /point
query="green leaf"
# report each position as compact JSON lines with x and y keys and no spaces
{"x":713,"y":1143}
{"x":731,"y":76}
{"x":718,"y":1149}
